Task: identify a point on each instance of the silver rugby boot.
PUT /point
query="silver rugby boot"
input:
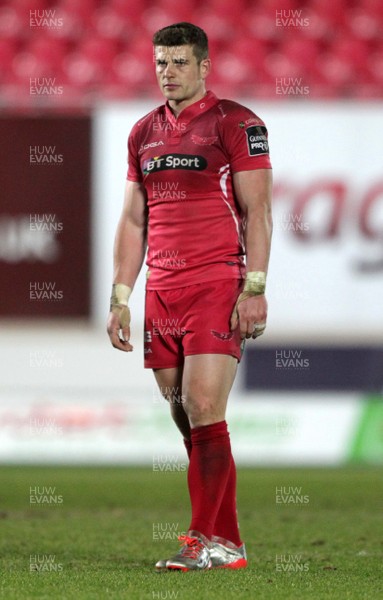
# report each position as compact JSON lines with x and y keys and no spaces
{"x":226,"y":555}
{"x":223,"y":555}
{"x":194,"y":554}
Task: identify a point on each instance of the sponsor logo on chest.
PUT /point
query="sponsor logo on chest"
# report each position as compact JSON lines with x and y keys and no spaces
{"x":188,"y":162}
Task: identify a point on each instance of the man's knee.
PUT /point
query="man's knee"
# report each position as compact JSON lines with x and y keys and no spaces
{"x":201,"y":410}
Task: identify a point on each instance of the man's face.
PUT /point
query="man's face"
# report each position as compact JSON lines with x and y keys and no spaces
{"x":179,"y":75}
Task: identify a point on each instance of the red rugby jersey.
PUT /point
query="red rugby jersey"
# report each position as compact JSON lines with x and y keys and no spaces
{"x":195,"y":230}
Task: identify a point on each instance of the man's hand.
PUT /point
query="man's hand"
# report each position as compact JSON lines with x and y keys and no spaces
{"x":119,"y":317}
{"x":118,"y":328}
{"x":251,"y":312}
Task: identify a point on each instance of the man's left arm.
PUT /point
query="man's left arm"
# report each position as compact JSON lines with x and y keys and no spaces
{"x":253,"y":190}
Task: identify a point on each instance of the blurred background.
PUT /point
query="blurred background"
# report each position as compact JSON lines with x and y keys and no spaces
{"x":75,"y":77}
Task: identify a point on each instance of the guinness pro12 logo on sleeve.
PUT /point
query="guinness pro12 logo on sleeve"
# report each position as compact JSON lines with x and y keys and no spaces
{"x":257,"y":140}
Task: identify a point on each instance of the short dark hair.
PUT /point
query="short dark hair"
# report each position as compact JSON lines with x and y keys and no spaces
{"x":181,"y":34}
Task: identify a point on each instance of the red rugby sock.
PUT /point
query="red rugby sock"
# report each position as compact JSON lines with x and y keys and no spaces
{"x":209,"y":469}
{"x":188,"y":446}
{"x":226,"y":523}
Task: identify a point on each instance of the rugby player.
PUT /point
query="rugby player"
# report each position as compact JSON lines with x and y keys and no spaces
{"x":197,"y":201}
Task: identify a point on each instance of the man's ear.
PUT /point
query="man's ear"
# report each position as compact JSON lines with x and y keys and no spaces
{"x":205,"y":67}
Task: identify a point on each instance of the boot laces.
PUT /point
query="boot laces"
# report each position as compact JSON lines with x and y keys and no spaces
{"x":191,"y":546}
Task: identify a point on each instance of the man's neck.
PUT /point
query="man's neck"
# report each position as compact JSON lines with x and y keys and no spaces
{"x":178,"y":107}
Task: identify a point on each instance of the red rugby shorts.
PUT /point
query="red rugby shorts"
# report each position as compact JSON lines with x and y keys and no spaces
{"x":191,"y":320}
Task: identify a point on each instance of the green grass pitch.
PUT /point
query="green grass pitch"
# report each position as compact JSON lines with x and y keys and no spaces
{"x":94,"y":533}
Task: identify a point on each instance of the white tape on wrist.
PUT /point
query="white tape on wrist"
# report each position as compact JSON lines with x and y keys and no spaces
{"x":119,"y":303}
{"x":255,"y":283}
{"x":120,"y":294}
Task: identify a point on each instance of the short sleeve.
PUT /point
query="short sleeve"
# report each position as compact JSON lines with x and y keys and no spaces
{"x":134,"y":168}
{"x":246,"y":142}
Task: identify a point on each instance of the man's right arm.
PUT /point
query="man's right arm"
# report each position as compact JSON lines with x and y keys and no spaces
{"x":129,"y":254}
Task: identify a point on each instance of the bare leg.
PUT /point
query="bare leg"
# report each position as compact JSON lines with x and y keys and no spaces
{"x":206,"y":384}
{"x":198,"y":393}
{"x":170,"y":384}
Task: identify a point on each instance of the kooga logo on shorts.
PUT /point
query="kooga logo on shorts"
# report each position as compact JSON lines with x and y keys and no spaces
{"x":190,"y":162}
